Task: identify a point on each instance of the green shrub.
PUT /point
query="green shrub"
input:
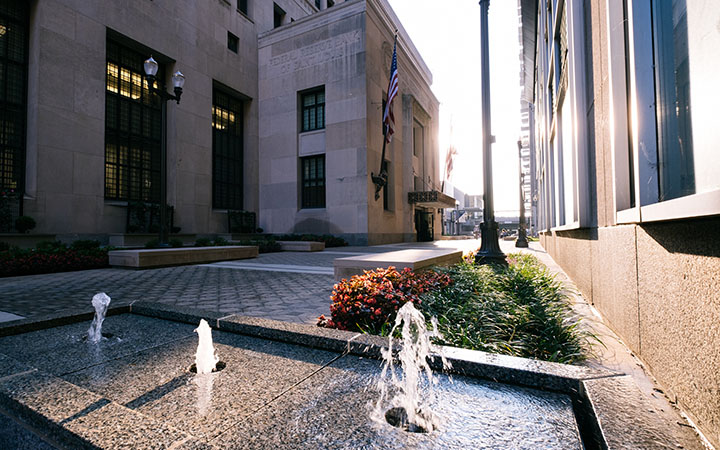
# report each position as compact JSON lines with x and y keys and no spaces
{"x":203,"y":242}
{"x":4,"y":246}
{"x":23,"y":224}
{"x":152,"y":243}
{"x":517,"y":310}
{"x":85,"y":244}
{"x":264,"y":245}
{"x":50,"y":247}
{"x":175,"y":243}
{"x":220,"y":241}
{"x":369,"y":302}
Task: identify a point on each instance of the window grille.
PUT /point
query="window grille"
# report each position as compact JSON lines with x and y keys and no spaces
{"x":227,"y":118}
{"x":13,"y":99}
{"x":132,"y":128}
{"x":313,"y":110}
{"x":313,"y":181}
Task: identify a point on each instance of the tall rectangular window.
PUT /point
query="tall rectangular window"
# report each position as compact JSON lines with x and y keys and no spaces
{"x":313,"y":181}
{"x":278,"y":15}
{"x":227,"y":144}
{"x":313,"y":110}
{"x":242,"y":6}
{"x":132,"y":127}
{"x":13,"y":99}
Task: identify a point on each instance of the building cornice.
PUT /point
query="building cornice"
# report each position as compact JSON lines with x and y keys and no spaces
{"x":384,"y":12}
{"x":311,"y":22}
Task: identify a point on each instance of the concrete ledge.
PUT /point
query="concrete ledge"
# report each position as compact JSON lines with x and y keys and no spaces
{"x":415,"y":259}
{"x":301,"y":246}
{"x":146,"y":258}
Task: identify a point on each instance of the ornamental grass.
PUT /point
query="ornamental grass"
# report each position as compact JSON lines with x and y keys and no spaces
{"x":519,"y":310}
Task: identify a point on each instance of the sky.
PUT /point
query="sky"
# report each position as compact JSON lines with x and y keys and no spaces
{"x":448,"y":38}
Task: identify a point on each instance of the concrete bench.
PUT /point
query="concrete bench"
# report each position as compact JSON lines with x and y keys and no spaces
{"x":415,"y":259}
{"x":301,"y":246}
{"x":160,"y":257}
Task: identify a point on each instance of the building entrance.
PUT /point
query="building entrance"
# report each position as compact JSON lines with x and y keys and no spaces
{"x":424,"y":225}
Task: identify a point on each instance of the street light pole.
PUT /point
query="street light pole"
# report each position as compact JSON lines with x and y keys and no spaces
{"x":521,"y":240}
{"x":178,"y":80}
{"x":489,"y":251}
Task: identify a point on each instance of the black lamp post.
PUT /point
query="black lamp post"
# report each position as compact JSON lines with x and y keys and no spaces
{"x":178,"y":80}
{"x":489,"y":251}
{"x":521,"y":240}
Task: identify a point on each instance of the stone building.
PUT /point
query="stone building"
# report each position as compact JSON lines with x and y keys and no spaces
{"x":82,"y":131}
{"x":628,"y":179}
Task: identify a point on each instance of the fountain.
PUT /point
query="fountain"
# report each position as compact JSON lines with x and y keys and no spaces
{"x":205,"y":357}
{"x":409,"y":407}
{"x":100,"y":302}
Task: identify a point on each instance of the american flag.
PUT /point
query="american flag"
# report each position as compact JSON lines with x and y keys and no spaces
{"x":388,"y":117}
{"x":452,"y":151}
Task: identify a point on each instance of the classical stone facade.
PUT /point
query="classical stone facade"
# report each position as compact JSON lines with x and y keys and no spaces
{"x":235,"y":140}
{"x":627,"y":176}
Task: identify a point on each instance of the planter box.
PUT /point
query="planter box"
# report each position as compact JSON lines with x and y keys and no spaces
{"x":146,"y":258}
{"x":415,"y":259}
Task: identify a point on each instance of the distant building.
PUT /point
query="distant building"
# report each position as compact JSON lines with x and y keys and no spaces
{"x":628,"y":177}
{"x":280,"y":116}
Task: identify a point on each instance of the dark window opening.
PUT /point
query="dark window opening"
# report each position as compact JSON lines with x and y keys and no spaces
{"x":317,"y":4}
{"x":233,"y":42}
{"x":313,"y":110}
{"x":278,"y":15}
{"x":132,"y":127}
{"x":313,"y":181}
{"x":14,"y":19}
{"x":242,"y":6}
{"x":330,"y":3}
{"x":227,"y":145}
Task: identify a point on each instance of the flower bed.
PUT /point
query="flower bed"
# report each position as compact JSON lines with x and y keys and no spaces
{"x":518,"y":310}
{"x":51,"y":257}
{"x":369,"y":302}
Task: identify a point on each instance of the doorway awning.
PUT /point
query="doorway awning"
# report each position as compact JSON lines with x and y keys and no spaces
{"x":431,"y":199}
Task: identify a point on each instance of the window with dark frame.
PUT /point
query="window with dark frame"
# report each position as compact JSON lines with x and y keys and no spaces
{"x":233,"y":42}
{"x":317,"y":4}
{"x":330,"y":3}
{"x":278,"y":15}
{"x":242,"y":6}
{"x":227,"y":150}
{"x":132,"y":127}
{"x":313,"y":110}
{"x":14,"y":19}
{"x":313,"y":181}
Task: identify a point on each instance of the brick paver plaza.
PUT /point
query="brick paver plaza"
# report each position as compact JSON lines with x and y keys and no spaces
{"x":288,"y":286}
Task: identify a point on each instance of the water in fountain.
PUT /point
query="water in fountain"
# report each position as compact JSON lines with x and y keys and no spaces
{"x":100,"y":302}
{"x":205,"y":358}
{"x":408,"y":407}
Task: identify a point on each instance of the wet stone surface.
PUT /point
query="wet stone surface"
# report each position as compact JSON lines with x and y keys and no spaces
{"x":138,"y":393}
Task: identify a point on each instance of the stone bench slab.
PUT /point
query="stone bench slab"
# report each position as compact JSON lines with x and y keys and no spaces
{"x":161,"y":257}
{"x":301,"y":246}
{"x":415,"y":259}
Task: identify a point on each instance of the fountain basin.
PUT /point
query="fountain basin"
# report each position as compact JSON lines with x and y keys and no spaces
{"x":289,"y":385}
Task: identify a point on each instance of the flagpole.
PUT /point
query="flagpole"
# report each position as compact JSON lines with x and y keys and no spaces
{"x":380,"y":180}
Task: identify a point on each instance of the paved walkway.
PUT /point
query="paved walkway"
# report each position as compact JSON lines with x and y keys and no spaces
{"x":289,"y":286}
